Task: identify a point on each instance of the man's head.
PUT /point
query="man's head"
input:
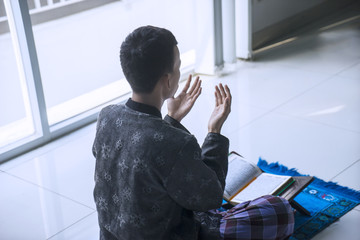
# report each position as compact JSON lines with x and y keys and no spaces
{"x":146,"y":55}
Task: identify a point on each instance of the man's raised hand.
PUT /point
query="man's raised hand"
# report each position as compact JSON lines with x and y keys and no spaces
{"x":180,"y":106}
{"x":222,"y":108}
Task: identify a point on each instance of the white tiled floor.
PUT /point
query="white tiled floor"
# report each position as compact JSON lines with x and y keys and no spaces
{"x":298,"y":104}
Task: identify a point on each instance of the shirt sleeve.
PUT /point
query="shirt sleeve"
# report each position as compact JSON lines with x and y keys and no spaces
{"x":197,"y":179}
{"x":175,"y":123}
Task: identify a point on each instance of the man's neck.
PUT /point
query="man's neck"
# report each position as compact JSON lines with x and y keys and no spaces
{"x":151,"y":99}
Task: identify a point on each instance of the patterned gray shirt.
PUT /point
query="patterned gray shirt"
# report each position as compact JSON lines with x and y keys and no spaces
{"x":151,"y":175}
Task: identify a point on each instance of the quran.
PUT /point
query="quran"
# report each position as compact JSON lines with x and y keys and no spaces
{"x":246,"y":181}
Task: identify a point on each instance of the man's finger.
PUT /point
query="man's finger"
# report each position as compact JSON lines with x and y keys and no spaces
{"x":216,"y":98}
{"x":228,"y":93}
{"x":187,"y":85}
{"x":222,"y":90}
{"x":196,"y":87}
{"x":197,"y":94}
{"x":219,"y":97}
{"x":195,"y":84}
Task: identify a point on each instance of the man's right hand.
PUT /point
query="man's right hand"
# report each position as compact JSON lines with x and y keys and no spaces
{"x":222,"y":108}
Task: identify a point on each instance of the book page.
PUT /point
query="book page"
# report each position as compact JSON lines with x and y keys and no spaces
{"x":240,"y":173}
{"x":264,"y":184}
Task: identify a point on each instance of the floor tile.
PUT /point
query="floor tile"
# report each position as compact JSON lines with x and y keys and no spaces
{"x":310,"y":147}
{"x":335,"y":102}
{"x":67,"y":170}
{"x":67,"y":139}
{"x":350,"y":177}
{"x":255,"y":92}
{"x":30,"y":212}
{"x":269,"y":86}
{"x":352,"y":72}
{"x":347,"y":227}
{"x":86,"y":229}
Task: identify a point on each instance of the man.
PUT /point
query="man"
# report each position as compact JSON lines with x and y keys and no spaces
{"x":152,"y":179}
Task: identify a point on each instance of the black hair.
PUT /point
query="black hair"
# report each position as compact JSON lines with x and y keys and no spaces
{"x":146,"y":54}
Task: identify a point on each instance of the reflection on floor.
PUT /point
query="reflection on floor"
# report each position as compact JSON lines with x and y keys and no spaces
{"x":297,"y":104}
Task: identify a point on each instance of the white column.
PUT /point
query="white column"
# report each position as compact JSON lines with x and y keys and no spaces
{"x":209,"y":57}
{"x":243,"y":25}
{"x":228,"y":27}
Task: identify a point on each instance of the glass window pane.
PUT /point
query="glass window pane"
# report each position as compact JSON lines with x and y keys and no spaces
{"x":15,"y":119}
{"x":79,"y":53}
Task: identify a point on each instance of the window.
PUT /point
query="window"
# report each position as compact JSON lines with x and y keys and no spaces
{"x":60,"y":68}
{"x":16,"y":118}
{"x":79,"y":54}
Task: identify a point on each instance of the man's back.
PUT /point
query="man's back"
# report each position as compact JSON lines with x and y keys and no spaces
{"x":142,"y":188}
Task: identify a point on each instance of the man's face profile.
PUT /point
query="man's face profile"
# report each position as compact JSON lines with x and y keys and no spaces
{"x":175,"y":74}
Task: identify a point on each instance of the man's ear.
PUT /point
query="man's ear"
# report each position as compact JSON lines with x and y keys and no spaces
{"x":165,"y":84}
{"x":166,"y":80}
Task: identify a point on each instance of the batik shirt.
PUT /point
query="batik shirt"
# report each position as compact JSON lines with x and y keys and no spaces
{"x":151,"y":174}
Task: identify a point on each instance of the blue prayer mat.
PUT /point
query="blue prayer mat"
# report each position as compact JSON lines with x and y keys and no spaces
{"x":326,"y":201}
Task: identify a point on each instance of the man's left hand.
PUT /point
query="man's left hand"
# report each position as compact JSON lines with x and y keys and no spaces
{"x":180,"y":106}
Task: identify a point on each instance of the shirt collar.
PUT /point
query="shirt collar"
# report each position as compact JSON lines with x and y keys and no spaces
{"x":144,"y":108}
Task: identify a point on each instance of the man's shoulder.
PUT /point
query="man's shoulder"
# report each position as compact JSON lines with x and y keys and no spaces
{"x":113,"y":111}
{"x":173,"y":132}
{"x":112,"y":108}
{"x":122,"y":115}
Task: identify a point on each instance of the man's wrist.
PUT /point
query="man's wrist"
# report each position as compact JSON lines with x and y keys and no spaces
{"x":174,"y":116}
{"x":214,"y":130}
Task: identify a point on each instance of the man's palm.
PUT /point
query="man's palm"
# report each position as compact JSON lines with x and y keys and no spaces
{"x":180,"y":106}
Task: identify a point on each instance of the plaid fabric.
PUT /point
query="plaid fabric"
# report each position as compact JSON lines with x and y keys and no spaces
{"x":267,"y":217}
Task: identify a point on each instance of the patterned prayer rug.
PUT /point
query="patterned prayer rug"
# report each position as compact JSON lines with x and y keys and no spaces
{"x":326,"y":201}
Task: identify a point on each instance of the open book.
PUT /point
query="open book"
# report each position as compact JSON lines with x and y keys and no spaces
{"x":246,"y":181}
